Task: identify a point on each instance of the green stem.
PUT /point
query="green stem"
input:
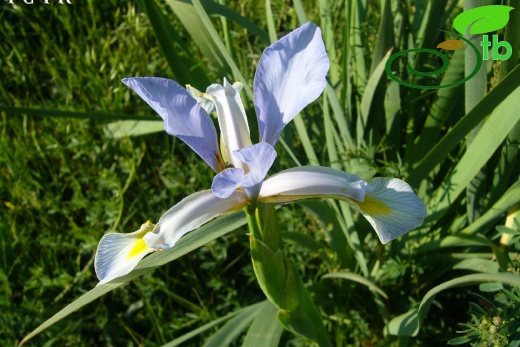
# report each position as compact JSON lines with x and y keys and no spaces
{"x":279,"y":280}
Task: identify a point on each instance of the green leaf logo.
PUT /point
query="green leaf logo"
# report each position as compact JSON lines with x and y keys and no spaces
{"x":482,"y":19}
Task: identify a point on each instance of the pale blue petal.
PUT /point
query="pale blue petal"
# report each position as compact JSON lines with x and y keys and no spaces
{"x":183,"y":117}
{"x":226,"y":182}
{"x":259,"y":158}
{"x":290,"y":75}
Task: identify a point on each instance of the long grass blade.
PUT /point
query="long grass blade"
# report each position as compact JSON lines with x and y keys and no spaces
{"x":265,"y":331}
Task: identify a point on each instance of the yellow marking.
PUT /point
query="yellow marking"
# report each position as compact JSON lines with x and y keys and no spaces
{"x":139,"y":247}
{"x":374,"y":207}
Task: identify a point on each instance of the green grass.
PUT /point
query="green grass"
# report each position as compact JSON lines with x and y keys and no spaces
{"x":66,"y":181}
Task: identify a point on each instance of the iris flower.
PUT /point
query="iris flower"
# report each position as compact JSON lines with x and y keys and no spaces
{"x":291,"y":74}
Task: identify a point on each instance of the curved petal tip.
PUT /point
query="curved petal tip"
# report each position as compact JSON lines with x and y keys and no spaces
{"x":392,"y":208}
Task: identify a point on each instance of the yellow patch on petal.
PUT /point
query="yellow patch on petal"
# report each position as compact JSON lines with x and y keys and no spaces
{"x":374,"y":207}
{"x":139,"y":247}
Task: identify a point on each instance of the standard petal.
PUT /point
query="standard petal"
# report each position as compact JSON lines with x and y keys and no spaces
{"x":118,"y":254}
{"x":290,"y":75}
{"x":313,"y":182}
{"x":189,"y":214}
{"x":231,"y":118}
{"x":392,"y":208}
{"x":183,"y":117}
{"x":226,"y":182}
{"x":259,"y":158}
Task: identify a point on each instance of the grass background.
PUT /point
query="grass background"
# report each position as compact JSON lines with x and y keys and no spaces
{"x":66,"y":181}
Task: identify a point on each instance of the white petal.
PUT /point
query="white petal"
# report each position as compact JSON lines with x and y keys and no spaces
{"x":392,"y":208}
{"x":118,"y":254}
{"x":312,"y":181}
{"x":231,"y":118}
{"x":189,"y":214}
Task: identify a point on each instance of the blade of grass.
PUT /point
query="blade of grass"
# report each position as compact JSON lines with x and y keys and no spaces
{"x":132,"y":128}
{"x":357,"y":278}
{"x":74,"y":114}
{"x":211,"y":324}
{"x":368,"y":100}
{"x":326,"y":20}
{"x":234,"y":327}
{"x":265,"y":331}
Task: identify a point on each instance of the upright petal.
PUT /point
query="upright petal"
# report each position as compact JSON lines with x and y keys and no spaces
{"x":231,"y":118}
{"x":290,"y":75}
{"x":189,"y":214}
{"x":182,"y":115}
{"x":118,"y":254}
{"x":392,"y":208}
{"x":259,"y":158}
{"x":313,"y":182}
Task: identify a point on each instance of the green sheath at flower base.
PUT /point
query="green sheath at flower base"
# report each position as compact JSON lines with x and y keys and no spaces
{"x":279,"y":279}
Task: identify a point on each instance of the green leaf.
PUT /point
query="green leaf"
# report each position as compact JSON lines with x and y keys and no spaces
{"x":368,"y":97}
{"x":459,"y":340}
{"x":246,"y":310}
{"x":74,"y":114}
{"x":186,"y":244}
{"x":234,"y":327}
{"x":357,"y":278}
{"x":406,"y":324}
{"x":477,"y":265}
{"x":265,"y":330}
{"x":482,"y":19}
{"x":132,"y":128}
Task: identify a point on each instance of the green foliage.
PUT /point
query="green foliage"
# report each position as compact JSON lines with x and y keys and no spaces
{"x":493,"y":322}
{"x":67,"y":181}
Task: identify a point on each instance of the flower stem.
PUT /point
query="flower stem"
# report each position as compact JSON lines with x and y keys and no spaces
{"x":279,"y":280}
